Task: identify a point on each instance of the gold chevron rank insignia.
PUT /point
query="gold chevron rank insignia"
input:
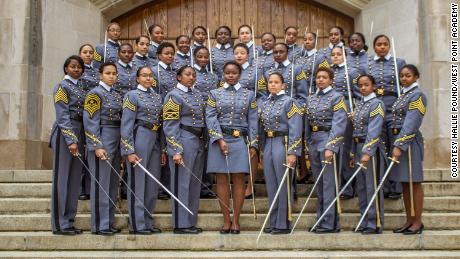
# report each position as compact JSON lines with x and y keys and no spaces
{"x":221,"y":84}
{"x":355,"y":80}
{"x":254,"y":105}
{"x":92,"y":104}
{"x":418,"y":104}
{"x":171,"y":110}
{"x":97,"y":57}
{"x":61,"y":96}
{"x":378,"y":110}
{"x":154,"y":82}
{"x":301,"y":76}
{"x":340,"y":105}
{"x":324,"y":64}
{"x":261,"y":84}
{"x":211,"y":102}
{"x":294,"y":110}
{"x":129,"y":105}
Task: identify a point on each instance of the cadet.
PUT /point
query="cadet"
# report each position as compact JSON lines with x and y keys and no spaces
{"x":67,"y":143}
{"x":108,"y":51}
{"x":282,"y":122}
{"x":126,"y":80}
{"x":199,"y":35}
{"x":141,"y":58}
{"x":294,"y":76}
{"x":231,"y":119}
{"x":325,"y":123}
{"x":140,"y":143}
{"x":358,"y":57}
{"x":184,"y":125}
{"x":206,"y":81}
{"x":408,"y":148}
{"x":164,"y":73}
{"x":368,"y":149}
{"x":223,"y":51}
{"x":88,"y":80}
{"x":307,"y":56}
{"x":340,"y":85}
{"x":157,"y":37}
{"x":245,"y":36}
{"x":335,"y":39}
{"x":382,"y":68}
{"x":183,"y":54}
{"x":291,"y":41}
{"x":265,"y":60}
{"x":103,"y":107}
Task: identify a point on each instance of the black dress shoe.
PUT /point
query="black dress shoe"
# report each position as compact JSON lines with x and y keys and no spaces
{"x":83,"y":197}
{"x":359,"y":230}
{"x":186,"y":231}
{"x":326,"y":231}
{"x":268,"y":230}
{"x":163,"y":196}
{"x":224,"y":231}
{"x":278,"y":231}
{"x":235,"y":231}
{"x":199,"y":229}
{"x":155,"y":230}
{"x":65,"y":232}
{"x":77,"y":231}
{"x":414,"y":232}
{"x":401,"y":229}
{"x":208,"y":195}
{"x":141,"y":232}
{"x":394,"y":196}
{"x":115,"y":230}
{"x":249,"y":196}
{"x":104,"y":232}
{"x":370,"y":231}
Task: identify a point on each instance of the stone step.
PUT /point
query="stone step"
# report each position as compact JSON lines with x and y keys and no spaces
{"x":9,"y":176}
{"x":213,"y":221}
{"x":42,"y":205}
{"x":390,"y":254}
{"x":44,"y":189}
{"x":212,"y":241}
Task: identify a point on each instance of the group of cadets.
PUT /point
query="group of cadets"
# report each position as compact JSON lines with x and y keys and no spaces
{"x":153,"y":115}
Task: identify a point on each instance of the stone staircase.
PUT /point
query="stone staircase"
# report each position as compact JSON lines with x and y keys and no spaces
{"x":25,"y":228}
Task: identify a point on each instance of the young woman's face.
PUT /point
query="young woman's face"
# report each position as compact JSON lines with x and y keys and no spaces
{"x":183,"y":45}
{"x":275,"y":85}
{"x":231,"y":74}
{"x":268,"y":42}
{"x":114,"y":32}
{"x":291,"y":36}
{"x":356,"y":43}
{"x":167,"y":55}
{"x":322,"y":80}
{"x":309,"y":41}
{"x":199,"y":36}
{"x":109,"y":75}
{"x":280,"y":53}
{"x":74,"y":69}
{"x":334,"y":36}
{"x":187,"y":77}
{"x":337,"y":56}
{"x":126,"y":54}
{"x":157,"y":35}
{"x":143,"y":46}
{"x":240,"y":55}
{"x":407,"y":77}
{"x":223,"y":36}
{"x":202,"y":57}
{"x":382,"y":47}
{"x":245,"y":34}
{"x":365,"y":86}
{"x":145,"y":77}
{"x":87,"y":54}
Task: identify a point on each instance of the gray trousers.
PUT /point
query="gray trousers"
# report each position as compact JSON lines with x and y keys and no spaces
{"x":346,"y":170}
{"x":67,"y":171}
{"x":183,"y":184}
{"x":147,"y":147}
{"x":102,"y":209}
{"x":274,"y":158}
{"x":325,"y":190}
{"x":390,"y":186}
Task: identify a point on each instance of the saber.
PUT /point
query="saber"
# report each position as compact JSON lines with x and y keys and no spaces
{"x":292,"y":71}
{"x":374,"y":174}
{"x":339,"y":208}
{"x":309,"y":195}
{"x":256,"y":59}
{"x":253,"y":42}
{"x":347,"y":78}
{"x":313,"y":66}
{"x":105,"y":45}
{"x":252,"y":183}
{"x":411,"y":185}
{"x":201,"y":182}
{"x":336,"y":198}
{"x":97,"y":182}
{"x":372,"y":29}
{"x":387,"y":172}
{"x":396,"y":66}
{"x":229,"y":184}
{"x":164,"y":188}
{"x":129,"y":188}
{"x":288,"y":185}
{"x":147,"y":29}
{"x":210,"y":51}
{"x":274,"y":200}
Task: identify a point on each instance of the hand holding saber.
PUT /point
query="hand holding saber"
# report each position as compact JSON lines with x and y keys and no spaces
{"x":251,"y":181}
